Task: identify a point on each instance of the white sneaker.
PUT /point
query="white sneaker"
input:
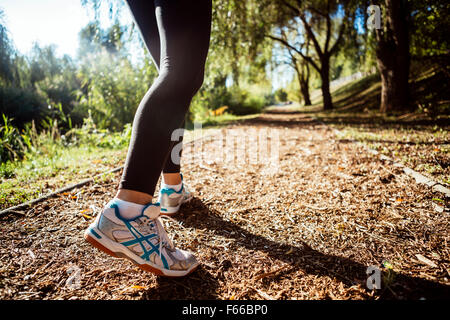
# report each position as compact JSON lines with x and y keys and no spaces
{"x":142,"y":240}
{"x":171,"y":200}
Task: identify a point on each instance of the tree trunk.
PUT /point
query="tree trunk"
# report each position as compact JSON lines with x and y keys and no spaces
{"x":305,"y":93}
{"x":305,"y":89}
{"x":303,"y":81}
{"x":325,"y":77}
{"x":393,"y":58}
{"x":394,"y":84}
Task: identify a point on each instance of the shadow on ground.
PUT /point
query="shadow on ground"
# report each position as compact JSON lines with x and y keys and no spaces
{"x":346,"y":118}
{"x":357,"y":103}
{"x":202,"y":284}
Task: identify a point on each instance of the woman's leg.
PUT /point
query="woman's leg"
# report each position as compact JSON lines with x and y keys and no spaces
{"x":145,"y":20}
{"x":184,"y":31}
{"x":125,"y":228}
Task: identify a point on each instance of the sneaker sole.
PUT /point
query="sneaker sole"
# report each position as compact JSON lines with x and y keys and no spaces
{"x":169,"y":211}
{"x":116,"y":250}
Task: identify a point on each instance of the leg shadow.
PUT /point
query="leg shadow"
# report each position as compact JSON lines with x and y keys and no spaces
{"x":303,"y":258}
{"x":199,"y":285}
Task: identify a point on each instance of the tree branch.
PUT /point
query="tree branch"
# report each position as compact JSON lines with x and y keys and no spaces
{"x":338,"y":40}
{"x":287,"y":44}
{"x":311,"y":35}
{"x":291,"y":7}
{"x":328,"y":20}
{"x":284,"y":42}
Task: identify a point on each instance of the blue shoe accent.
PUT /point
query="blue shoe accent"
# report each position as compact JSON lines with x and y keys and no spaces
{"x":139,"y":238}
{"x":95,"y":234}
{"x":170,"y":191}
{"x":117,"y":211}
{"x":171,"y":199}
{"x":131,"y":242}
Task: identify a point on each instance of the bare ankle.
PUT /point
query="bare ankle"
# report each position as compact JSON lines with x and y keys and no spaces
{"x":134,"y":196}
{"x":172,"y":178}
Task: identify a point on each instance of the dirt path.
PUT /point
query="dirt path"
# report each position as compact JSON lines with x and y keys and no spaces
{"x":306,"y":231}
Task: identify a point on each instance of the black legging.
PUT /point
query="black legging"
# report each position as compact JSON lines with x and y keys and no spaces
{"x":176,"y":32}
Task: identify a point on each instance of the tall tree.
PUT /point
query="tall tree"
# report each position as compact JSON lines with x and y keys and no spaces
{"x":324,"y":23}
{"x":393,"y":56}
{"x":303,"y":74}
{"x":303,"y":78}
{"x":7,"y":53}
{"x":301,"y":68}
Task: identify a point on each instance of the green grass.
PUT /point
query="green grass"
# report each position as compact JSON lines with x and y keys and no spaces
{"x":53,"y":167}
{"x":223,"y":119}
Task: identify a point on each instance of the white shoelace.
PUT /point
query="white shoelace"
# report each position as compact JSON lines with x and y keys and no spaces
{"x":163,"y":237}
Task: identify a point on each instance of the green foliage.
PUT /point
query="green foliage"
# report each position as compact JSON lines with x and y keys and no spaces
{"x":12,"y":146}
{"x":7,"y":54}
{"x":281,"y":95}
{"x":244,"y":102}
{"x":238,"y":102}
{"x":112,"y":85}
{"x":88,"y":134}
{"x":51,"y":97}
{"x":430,"y":25}
{"x":21,"y":105}
{"x":430,"y":87}
{"x":28,"y":143}
{"x":114,"y":92}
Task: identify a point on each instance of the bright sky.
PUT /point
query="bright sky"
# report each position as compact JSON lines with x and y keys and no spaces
{"x":46,"y":21}
{"x":59,"y":21}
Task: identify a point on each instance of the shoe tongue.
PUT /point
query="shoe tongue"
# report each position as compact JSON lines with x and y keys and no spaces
{"x":152,"y":211}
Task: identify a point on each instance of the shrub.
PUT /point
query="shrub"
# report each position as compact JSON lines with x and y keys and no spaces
{"x":22,"y":105}
{"x":12,"y":146}
{"x":243,"y":102}
{"x":281,"y":95}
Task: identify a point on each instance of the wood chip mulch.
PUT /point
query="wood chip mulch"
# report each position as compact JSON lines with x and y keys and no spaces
{"x":309,"y":230}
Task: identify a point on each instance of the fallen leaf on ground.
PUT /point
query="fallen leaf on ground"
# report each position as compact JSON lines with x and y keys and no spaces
{"x":425,"y":260}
